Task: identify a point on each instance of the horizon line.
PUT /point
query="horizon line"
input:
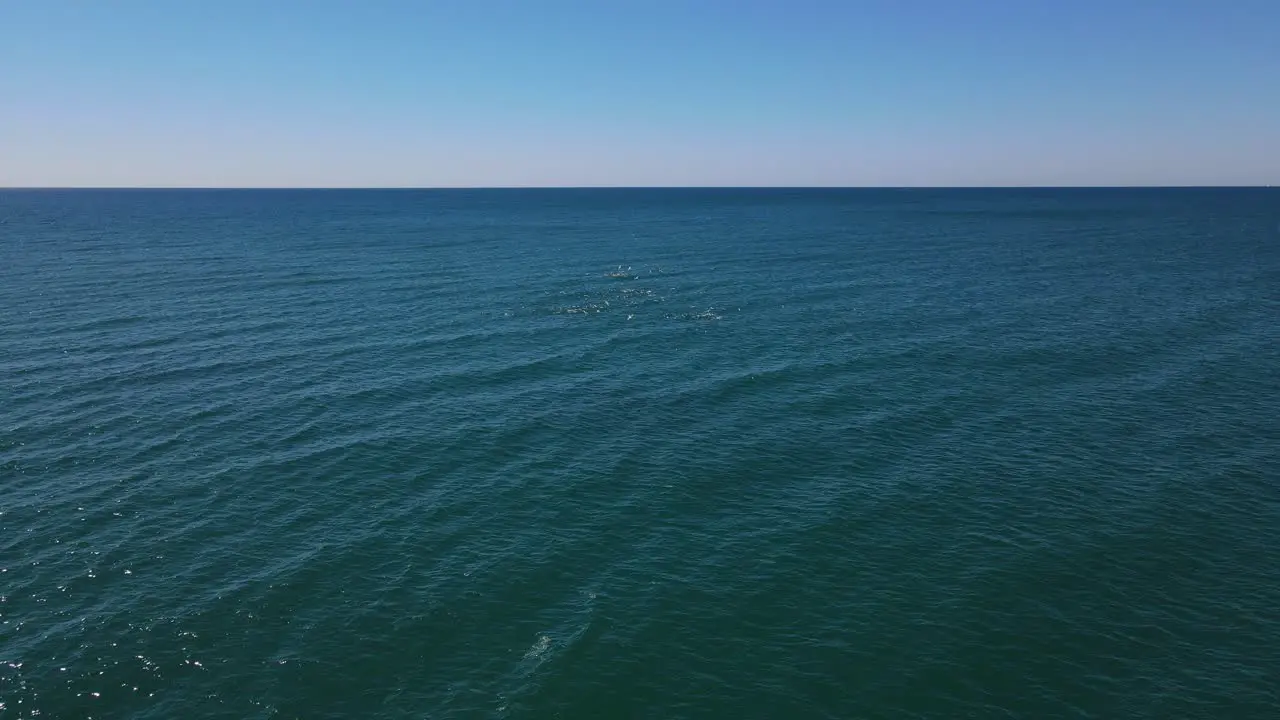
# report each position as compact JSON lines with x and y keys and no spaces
{"x":5,"y":188}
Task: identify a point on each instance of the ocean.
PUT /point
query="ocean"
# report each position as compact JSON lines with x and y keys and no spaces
{"x":583,"y":454}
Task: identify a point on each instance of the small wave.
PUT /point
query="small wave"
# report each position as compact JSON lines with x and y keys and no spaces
{"x":539,"y":648}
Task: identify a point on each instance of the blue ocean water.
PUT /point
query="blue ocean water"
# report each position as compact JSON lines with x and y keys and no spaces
{"x":640,"y":454}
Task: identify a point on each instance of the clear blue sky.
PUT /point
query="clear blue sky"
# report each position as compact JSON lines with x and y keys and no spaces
{"x":638,"y":92}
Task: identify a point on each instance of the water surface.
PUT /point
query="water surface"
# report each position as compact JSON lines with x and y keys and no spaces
{"x":640,"y":454}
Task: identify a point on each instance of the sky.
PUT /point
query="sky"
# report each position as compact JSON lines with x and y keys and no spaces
{"x":468,"y":93}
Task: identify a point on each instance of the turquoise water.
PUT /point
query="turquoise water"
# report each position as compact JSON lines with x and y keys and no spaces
{"x":640,"y":454}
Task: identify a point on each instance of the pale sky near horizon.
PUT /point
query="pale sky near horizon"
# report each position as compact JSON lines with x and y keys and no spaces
{"x":342,"y":93}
